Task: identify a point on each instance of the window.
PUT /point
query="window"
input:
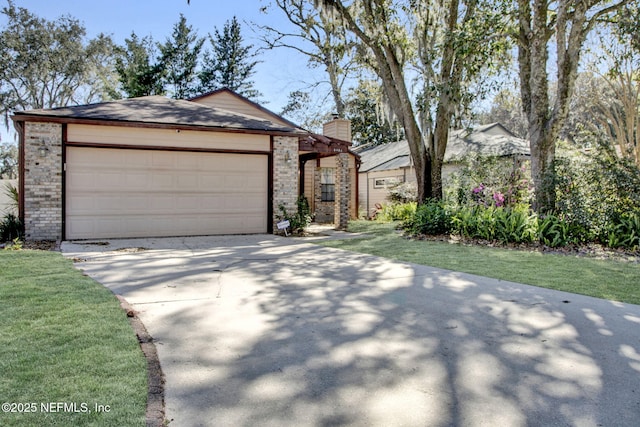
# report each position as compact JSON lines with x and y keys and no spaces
{"x":327,"y":185}
{"x":386,"y":182}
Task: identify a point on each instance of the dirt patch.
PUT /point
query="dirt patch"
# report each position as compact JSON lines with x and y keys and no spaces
{"x":41,"y":245}
{"x":131,"y":250}
{"x":155,"y":377}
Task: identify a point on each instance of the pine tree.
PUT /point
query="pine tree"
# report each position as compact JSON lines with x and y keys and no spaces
{"x":230,"y":64}
{"x":179,"y":57}
{"x":138,"y":75}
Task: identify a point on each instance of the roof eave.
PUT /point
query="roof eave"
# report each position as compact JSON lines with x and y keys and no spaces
{"x":21,"y":116}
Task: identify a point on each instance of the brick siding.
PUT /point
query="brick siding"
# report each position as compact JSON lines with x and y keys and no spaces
{"x":285,"y":175}
{"x":43,"y":181}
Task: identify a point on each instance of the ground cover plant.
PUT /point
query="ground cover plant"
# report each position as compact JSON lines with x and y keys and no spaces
{"x":65,"y":347}
{"x":611,"y":279}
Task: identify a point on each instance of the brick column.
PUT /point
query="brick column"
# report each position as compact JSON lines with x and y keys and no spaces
{"x":342,"y":191}
{"x":43,"y":181}
{"x":285,"y":175}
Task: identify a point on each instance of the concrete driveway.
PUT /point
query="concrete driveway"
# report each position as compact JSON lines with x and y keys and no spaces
{"x":268,"y":331}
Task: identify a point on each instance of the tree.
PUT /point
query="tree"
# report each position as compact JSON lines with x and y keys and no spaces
{"x":179,"y":57}
{"x":230,"y":64}
{"x":8,"y":161}
{"x":371,"y":122}
{"x":606,"y":108}
{"x":629,"y":24}
{"x":321,"y":39}
{"x":138,"y":74}
{"x":567,"y":22}
{"x":450,"y":41}
{"x":301,"y":108}
{"x":506,"y":109}
{"x":47,"y":64}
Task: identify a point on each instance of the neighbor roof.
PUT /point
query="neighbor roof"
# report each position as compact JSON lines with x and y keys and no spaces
{"x":161,"y":111}
{"x":492,"y":140}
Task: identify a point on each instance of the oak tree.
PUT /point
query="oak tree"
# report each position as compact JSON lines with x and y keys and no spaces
{"x":47,"y":64}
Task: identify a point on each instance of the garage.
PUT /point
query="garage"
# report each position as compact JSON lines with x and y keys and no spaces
{"x":146,"y":193}
{"x":217,"y":164}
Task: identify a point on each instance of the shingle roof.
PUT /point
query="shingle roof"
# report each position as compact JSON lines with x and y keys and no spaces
{"x":162,"y":111}
{"x":393,"y":155}
{"x":492,"y":140}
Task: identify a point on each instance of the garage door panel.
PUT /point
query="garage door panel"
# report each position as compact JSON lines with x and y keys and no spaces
{"x":137,"y":193}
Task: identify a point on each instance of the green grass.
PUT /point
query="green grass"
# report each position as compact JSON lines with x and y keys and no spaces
{"x":607,"y":279}
{"x":64,"y":338}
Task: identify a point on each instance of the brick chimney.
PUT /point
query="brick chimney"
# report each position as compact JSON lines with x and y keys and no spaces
{"x":338,"y":128}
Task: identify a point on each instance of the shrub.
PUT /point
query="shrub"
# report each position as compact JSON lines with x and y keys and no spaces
{"x":475,"y":222}
{"x":300,"y":219}
{"x":505,"y":224}
{"x":625,"y":233}
{"x":489,"y":181}
{"x":594,"y":192}
{"x":396,"y":212}
{"x":431,"y":218}
{"x":553,"y":232}
{"x":515,"y":225}
{"x":405,"y":192}
{"x":11,"y":228}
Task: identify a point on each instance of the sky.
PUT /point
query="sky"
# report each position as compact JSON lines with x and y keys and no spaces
{"x":280,"y":72}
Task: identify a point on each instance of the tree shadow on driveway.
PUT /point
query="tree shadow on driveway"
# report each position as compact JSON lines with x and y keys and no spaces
{"x":288,"y":334}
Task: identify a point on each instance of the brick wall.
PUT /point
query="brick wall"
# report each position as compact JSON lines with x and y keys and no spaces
{"x":43,"y":181}
{"x":343,"y":191}
{"x":323,"y":213}
{"x":285,"y":175}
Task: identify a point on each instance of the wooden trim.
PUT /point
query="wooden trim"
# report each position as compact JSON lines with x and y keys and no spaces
{"x":162,"y":148}
{"x":20,"y":127}
{"x":301,"y":165}
{"x":270,"y":179}
{"x":97,"y":122}
{"x":331,"y":149}
{"x":63,"y":168}
{"x":357,"y":189}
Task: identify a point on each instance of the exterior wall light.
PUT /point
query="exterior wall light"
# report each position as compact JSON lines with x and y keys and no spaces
{"x":287,"y":157}
{"x":43,"y":150}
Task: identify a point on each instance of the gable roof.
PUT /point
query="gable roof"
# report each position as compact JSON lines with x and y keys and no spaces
{"x":492,"y":140}
{"x":162,"y":112}
{"x":230,"y":100}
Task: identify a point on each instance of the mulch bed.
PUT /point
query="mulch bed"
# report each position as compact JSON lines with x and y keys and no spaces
{"x":591,"y":250}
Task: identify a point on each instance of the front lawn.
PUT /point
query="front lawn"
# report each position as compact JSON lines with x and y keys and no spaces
{"x":608,"y":279}
{"x":68,"y":355}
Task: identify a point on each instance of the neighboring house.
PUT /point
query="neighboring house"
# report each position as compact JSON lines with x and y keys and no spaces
{"x":387,"y":165}
{"x":153,"y":166}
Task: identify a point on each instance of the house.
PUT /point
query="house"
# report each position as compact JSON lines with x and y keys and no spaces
{"x":387,"y":165}
{"x":153,"y":167}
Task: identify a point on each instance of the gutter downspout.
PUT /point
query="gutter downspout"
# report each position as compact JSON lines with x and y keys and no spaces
{"x":19,"y":126}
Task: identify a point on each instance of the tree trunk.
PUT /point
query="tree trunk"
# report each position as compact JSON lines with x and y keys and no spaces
{"x":542,"y":169}
{"x":332,"y":70}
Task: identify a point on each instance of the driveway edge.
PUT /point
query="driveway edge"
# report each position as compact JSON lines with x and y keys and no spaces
{"x":155,"y":377}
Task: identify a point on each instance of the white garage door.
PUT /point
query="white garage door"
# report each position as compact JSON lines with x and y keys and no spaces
{"x":142,"y":193}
